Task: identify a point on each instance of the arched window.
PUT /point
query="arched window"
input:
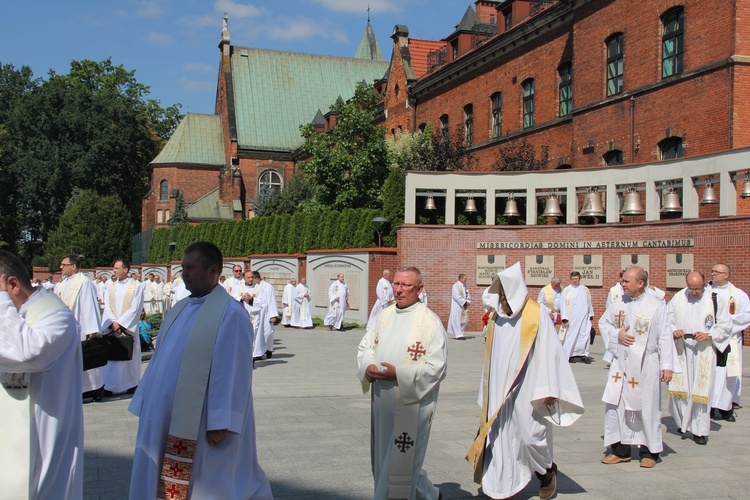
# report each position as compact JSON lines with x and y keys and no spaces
{"x":528,"y":103}
{"x":269,"y":181}
{"x":614,"y":64}
{"x":672,"y":42}
{"x":566,"y":89}
{"x":497,"y":114}
{"x":468,"y":124}
{"x":671,"y":148}
{"x":612,"y":158}
{"x":163,"y":190}
{"x":445,"y":128}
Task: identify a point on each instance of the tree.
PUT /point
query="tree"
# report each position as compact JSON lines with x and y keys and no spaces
{"x":431,"y":151}
{"x":296,"y":197}
{"x":180,"y":216}
{"x":75,"y":233}
{"x":348,"y":164}
{"x":393,"y":205}
{"x":516,"y":156}
{"x":92,"y":129}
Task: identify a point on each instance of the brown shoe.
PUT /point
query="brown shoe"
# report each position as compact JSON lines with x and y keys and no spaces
{"x":548,"y":491}
{"x":614,"y":459}
{"x":648,"y":463}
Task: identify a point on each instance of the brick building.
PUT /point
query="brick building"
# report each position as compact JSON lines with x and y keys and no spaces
{"x":219,"y":163}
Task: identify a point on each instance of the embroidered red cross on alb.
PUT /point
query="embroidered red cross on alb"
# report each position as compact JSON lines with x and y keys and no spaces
{"x":416,"y":351}
{"x":179,"y":448}
{"x":172,"y":491}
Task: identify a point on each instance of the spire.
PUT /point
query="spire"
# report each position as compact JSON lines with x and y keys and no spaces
{"x":225,"y":29}
{"x":368,"y":45}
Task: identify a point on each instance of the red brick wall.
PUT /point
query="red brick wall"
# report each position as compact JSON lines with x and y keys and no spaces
{"x":441,"y":252}
{"x":709,"y":111}
{"x":380,"y":260}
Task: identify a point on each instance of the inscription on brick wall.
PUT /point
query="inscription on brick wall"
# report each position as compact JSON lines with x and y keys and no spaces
{"x":584,"y":245}
{"x":487,"y":267}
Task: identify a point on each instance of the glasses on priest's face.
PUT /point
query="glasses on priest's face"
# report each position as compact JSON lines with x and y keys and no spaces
{"x":404,"y":286}
{"x":714,"y":271}
{"x":237,"y":270}
{"x":64,"y":264}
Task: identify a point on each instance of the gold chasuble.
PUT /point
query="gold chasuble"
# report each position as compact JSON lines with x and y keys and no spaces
{"x":73,"y":288}
{"x":529,"y":329}
{"x":16,"y":413}
{"x":190,"y":394}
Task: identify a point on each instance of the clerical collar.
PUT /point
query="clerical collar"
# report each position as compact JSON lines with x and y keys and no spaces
{"x":123,"y":280}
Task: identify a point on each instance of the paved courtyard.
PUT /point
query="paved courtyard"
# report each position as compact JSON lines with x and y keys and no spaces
{"x":313,"y":433}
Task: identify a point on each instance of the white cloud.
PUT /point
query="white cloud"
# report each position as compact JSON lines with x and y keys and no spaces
{"x":201,"y":21}
{"x":189,"y":84}
{"x":301,"y":28}
{"x":160,"y":38}
{"x":147,"y":8}
{"x":360,"y":6}
{"x":198,"y":67}
{"x":237,"y":9}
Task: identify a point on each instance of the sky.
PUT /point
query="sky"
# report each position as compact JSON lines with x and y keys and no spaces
{"x":172,"y":45}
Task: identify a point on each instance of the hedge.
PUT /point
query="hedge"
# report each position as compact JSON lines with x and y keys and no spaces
{"x":283,"y":234}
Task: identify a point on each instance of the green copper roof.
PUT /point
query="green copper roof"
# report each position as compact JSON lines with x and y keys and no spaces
{"x":198,"y":139}
{"x":208,"y":208}
{"x":368,"y":46}
{"x":275,"y":92}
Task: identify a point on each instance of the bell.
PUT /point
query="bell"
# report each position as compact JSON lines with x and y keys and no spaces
{"x":511,"y":207}
{"x":745,"y":188}
{"x":471,"y":205}
{"x":671,"y":202}
{"x":592,"y":205}
{"x":709,"y":195}
{"x":552,"y":208}
{"x":631,"y":204}
{"x":430,"y":205}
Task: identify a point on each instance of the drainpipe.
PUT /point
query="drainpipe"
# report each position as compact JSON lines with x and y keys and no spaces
{"x":632,"y":129}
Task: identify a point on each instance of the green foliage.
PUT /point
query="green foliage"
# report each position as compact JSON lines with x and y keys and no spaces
{"x":180,"y":216}
{"x":348,"y":164}
{"x":110,"y":241}
{"x":393,"y":205}
{"x":517,"y":156}
{"x":155,"y":320}
{"x":431,"y":151}
{"x":92,"y":129}
{"x":282,"y":234}
{"x":296,"y":196}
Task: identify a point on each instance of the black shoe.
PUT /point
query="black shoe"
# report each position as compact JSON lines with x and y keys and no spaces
{"x":460,"y":338}
{"x":586,"y":359}
{"x":132,"y":390}
{"x":735,"y":406}
{"x":330,"y":327}
{"x":269,"y":354}
{"x":700,"y":439}
{"x":573,"y":359}
{"x":727,"y":415}
{"x":107,"y":393}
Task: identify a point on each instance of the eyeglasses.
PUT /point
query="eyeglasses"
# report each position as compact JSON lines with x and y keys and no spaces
{"x":65,"y":265}
{"x":403,"y":286}
{"x":714,"y":271}
{"x":696,"y":290}
{"x":237,"y":270}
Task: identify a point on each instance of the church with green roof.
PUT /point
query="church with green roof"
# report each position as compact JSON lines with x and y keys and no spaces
{"x":219,"y":162}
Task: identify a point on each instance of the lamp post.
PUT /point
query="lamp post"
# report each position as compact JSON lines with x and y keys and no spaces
{"x":380,"y":223}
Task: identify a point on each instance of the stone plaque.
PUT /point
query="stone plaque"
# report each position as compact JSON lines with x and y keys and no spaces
{"x":640,"y":260}
{"x":678,"y":266}
{"x":591,"y":268}
{"x":322,"y":286}
{"x":487,"y":267}
{"x":539,"y":269}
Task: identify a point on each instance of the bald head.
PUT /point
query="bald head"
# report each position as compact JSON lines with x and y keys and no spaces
{"x":696,"y":284}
